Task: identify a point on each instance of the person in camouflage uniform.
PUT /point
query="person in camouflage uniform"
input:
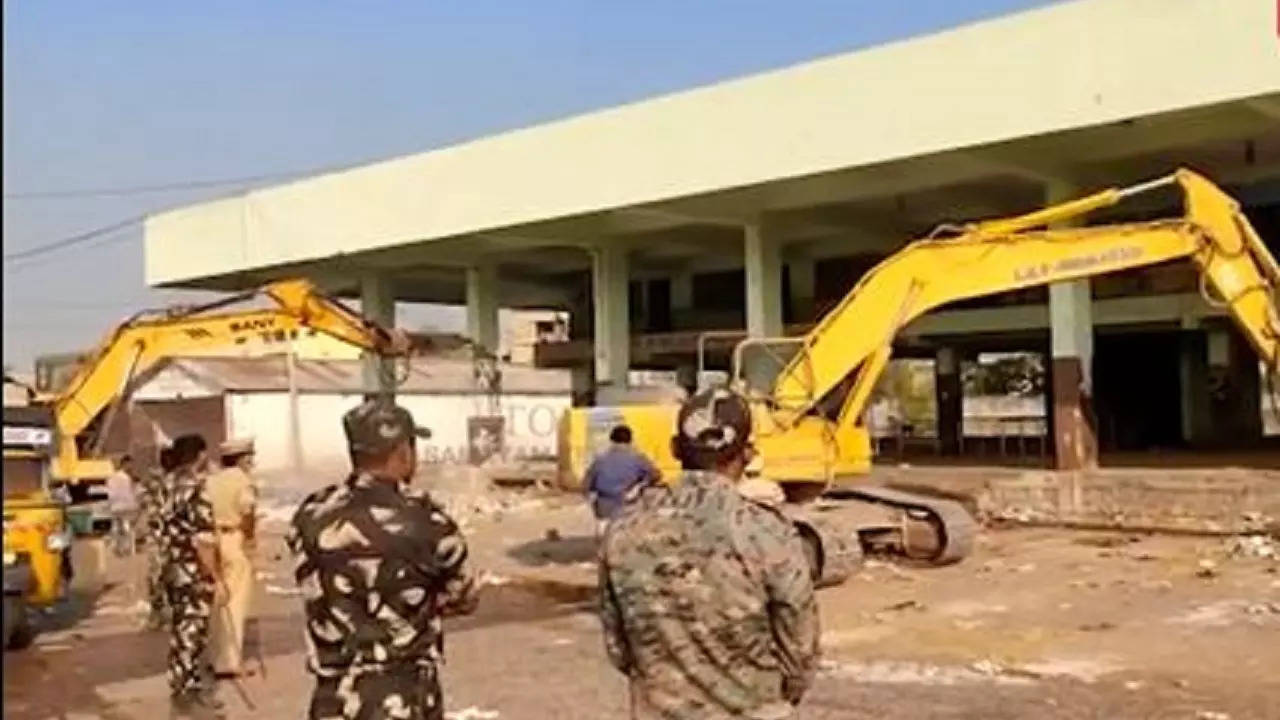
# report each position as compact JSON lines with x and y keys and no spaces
{"x":378,"y":564}
{"x":151,"y":502}
{"x":191,"y":577}
{"x":706,"y":596}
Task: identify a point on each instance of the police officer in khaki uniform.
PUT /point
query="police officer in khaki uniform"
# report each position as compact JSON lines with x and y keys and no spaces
{"x":232,"y":494}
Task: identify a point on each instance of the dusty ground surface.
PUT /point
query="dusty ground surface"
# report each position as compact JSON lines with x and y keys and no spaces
{"x":1037,"y":624}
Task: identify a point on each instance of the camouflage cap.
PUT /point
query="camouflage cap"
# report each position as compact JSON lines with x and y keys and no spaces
{"x":378,"y":425}
{"x":714,"y":421}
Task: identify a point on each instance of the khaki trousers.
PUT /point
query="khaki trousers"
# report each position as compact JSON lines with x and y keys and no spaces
{"x":226,"y":635}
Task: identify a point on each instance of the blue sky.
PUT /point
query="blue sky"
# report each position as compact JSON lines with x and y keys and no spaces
{"x":119,"y":95}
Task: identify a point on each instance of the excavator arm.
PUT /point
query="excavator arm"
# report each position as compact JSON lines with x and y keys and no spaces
{"x":843,"y":356}
{"x":149,"y":338}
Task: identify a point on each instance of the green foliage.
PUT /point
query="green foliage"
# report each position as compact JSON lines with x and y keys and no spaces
{"x":1018,"y":374}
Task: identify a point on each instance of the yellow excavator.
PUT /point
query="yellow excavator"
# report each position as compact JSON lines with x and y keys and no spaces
{"x":83,"y":411}
{"x":808,"y":416}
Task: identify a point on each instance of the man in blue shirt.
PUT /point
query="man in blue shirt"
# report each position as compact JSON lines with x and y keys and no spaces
{"x":613,"y":473}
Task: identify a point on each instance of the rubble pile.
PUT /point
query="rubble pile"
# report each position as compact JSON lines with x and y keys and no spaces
{"x":1254,"y":546}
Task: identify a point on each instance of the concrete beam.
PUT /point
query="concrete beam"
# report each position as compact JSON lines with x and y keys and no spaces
{"x":1268,"y":106}
{"x":991,"y":163}
{"x":658,"y":217}
{"x":482,"y":306}
{"x":609,"y":276}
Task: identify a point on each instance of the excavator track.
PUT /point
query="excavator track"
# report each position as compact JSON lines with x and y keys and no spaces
{"x":949,"y":526}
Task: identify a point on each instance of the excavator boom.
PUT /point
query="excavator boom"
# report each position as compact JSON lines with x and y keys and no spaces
{"x":842,"y":357}
{"x":149,"y":338}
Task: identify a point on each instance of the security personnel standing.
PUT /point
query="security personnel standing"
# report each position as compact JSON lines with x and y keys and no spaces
{"x":151,"y":504}
{"x":193,"y":579}
{"x":378,"y":565}
{"x":706,"y":596}
{"x":234,"y":498}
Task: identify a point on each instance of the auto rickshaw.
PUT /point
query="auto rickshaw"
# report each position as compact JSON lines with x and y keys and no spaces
{"x":36,"y":533}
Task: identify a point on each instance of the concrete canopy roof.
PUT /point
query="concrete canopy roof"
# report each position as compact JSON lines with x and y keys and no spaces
{"x":968,"y":122}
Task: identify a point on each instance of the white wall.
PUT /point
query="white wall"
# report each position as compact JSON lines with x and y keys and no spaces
{"x":530,"y":427}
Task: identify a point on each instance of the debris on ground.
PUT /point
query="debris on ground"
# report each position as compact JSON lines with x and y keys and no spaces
{"x":1271,"y":608}
{"x":1253,"y":546}
{"x":471,"y":713}
{"x":1207,"y":569}
{"x":896,"y":571}
{"x":1217,"y":614}
{"x":1098,"y":626}
{"x":109,"y":609}
{"x":890,"y":672}
{"x":905,"y":605}
{"x":1211,"y":715}
{"x":552,"y":535}
{"x":282,"y":591}
{"x":1107,"y":541}
{"x":494,"y":579}
{"x":1086,"y":670}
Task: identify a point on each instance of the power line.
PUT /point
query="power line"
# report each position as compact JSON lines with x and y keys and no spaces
{"x":72,"y":240}
{"x":168,"y":186}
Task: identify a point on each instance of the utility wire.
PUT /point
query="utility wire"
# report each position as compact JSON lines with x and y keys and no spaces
{"x":72,"y":240}
{"x":170,"y":186}
{"x":40,"y":250}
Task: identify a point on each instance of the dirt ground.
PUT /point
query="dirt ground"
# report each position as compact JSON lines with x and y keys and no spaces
{"x":1036,"y":624}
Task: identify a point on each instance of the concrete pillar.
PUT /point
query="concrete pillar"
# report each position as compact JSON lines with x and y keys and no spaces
{"x":763,"y":260}
{"x":482,"y":306}
{"x":682,"y":300}
{"x":1193,"y":380}
{"x":609,"y":276}
{"x":949,"y":393}
{"x":378,"y":303}
{"x":800,"y":275}
{"x":681,"y":292}
{"x":1235,"y":390}
{"x":1071,"y":333}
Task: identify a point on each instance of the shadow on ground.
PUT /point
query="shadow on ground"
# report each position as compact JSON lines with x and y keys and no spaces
{"x":555,"y":550}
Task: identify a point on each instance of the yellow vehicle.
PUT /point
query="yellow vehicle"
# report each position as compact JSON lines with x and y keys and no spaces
{"x":83,"y":410}
{"x":809,"y":414}
{"x":36,"y":536}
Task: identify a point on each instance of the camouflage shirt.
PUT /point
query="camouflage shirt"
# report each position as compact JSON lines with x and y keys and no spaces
{"x":186,"y":519}
{"x":151,"y":503}
{"x":707,"y":603}
{"x":377,"y":567}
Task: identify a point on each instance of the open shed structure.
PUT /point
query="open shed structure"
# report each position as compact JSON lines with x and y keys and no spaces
{"x":754,"y":204}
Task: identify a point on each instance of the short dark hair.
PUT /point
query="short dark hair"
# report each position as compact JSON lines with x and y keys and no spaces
{"x":620,"y":434}
{"x":166,"y":459}
{"x":186,"y":448}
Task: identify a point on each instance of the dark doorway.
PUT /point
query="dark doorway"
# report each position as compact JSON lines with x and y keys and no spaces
{"x":659,"y":310}
{"x":1137,"y":391}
